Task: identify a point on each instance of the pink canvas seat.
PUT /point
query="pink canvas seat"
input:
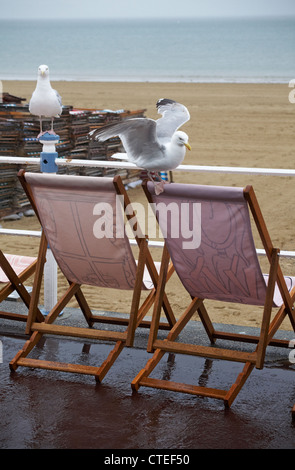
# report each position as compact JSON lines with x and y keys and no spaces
{"x":277,"y":297}
{"x":82,"y":219}
{"x":14,"y":271}
{"x":212,"y":249}
{"x":18,"y":263}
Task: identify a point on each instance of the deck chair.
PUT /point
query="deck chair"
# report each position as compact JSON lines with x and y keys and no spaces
{"x":221,"y":266}
{"x":83,"y":223}
{"x":14,"y":271}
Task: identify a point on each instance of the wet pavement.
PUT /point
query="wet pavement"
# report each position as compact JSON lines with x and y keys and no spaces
{"x":53,"y":410}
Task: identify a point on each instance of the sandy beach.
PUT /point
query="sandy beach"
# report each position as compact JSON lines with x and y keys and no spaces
{"x":248,"y":125}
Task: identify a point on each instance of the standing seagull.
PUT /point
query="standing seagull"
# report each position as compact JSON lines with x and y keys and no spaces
{"x":154,"y":145}
{"x":45,"y":101}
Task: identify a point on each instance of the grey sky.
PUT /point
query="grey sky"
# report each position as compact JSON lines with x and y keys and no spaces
{"x":30,"y":9}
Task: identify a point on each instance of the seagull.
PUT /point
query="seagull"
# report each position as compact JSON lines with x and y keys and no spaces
{"x":153,"y":145}
{"x":45,"y":101}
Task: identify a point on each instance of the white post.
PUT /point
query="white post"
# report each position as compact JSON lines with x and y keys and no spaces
{"x":48,"y":165}
{"x":50,"y":282}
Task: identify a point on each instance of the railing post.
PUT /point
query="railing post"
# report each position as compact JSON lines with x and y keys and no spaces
{"x":48,"y":165}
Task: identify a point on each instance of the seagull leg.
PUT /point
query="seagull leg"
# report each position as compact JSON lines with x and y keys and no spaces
{"x":159,"y":185}
{"x":51,"y":129}
{"x":41,"y":131}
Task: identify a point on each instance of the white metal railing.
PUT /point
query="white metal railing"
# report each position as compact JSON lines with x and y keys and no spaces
{"x":51,"y":286}
{"x":152,"y":243}
{"x":131,"y":166}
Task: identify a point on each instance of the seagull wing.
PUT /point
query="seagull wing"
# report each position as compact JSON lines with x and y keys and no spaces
{"x":59,"y":102}
{"x":174,"y":115}
{"x":58,"y":97}
{"x":138,"y":136}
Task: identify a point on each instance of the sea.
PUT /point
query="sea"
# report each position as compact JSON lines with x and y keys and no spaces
{"x":242,"y":50}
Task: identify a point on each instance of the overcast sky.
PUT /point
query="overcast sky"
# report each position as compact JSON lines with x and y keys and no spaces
{"x":30,"y":9}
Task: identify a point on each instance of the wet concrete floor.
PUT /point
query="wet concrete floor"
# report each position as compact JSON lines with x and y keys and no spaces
{"x":54,"y":410}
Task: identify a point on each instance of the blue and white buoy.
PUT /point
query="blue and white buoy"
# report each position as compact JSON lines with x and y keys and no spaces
{"x":49,"y":153}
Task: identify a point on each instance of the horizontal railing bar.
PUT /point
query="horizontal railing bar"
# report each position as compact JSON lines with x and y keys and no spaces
{"x":28,"y":233}
{"x":131,"y":166}
{"x":152,"y":243}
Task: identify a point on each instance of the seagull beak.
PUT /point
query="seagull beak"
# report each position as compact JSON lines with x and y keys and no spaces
{"x":42,"y":73}
{"x":188,"y":146}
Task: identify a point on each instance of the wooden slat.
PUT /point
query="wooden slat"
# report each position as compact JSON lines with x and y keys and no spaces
{"x":185,"y":388}
{"x":13,"y":316}
{"x":125,"y":321}
{"x":243,"y":338}
{"x":60,"y":366}
{"x":205,"y":351}
{"x":78,"y":332}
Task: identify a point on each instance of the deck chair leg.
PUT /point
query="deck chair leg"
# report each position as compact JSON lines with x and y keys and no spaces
{"x":37,"y":284}
{"x":263,"y":340}
{"x":165,"y":304}
{"x":236,"y":387}
{"x":155,"y":278}
{"x":107,"y":364}
{"x":136,"y":293}
{"x":147,"y":370}
{"x":159,"y":299}
{"x":23,"y":353}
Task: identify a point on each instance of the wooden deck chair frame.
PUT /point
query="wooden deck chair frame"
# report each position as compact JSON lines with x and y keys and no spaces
{"x":121,"y":339}
{"x":250,"y":359}
{"x":15,"y":282}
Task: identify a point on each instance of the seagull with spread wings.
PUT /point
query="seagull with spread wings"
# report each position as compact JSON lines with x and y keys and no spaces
{"x":153,"y":145}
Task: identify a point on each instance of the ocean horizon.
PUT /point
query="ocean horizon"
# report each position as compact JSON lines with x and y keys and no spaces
{"x":235,"y":50}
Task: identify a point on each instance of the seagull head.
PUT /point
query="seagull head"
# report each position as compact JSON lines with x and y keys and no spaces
{"x":43,"y":71}
{"x":181,"y":138}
